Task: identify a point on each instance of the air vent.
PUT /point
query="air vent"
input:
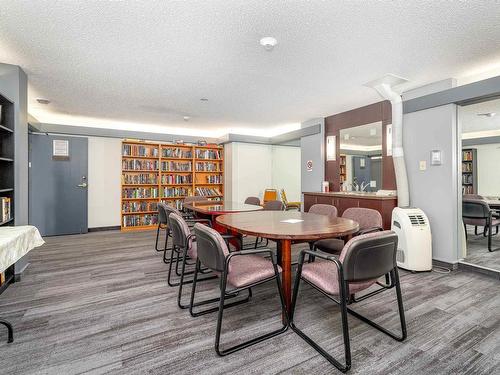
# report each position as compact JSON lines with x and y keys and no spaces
{"x":400,"y":256}
{"x":417,"y":220}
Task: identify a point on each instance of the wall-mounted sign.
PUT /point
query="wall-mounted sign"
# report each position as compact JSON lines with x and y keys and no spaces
{"x":60,"y":149}
{"x":309,"y":165}
{"x":388,"y":139}
{"x":331,"y":148}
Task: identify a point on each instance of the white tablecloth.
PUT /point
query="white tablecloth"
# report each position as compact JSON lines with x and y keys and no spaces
{"x":15,"y":242}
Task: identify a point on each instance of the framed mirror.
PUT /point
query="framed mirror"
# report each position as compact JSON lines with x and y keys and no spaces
{"x":360,"y":164}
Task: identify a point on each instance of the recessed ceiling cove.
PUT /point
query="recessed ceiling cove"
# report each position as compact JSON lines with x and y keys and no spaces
{"x":145,"y":65}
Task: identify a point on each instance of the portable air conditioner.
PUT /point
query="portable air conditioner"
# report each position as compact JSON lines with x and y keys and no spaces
{"x":414,"y":239}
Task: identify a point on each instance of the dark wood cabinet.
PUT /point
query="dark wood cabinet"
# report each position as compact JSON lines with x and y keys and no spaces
{"x":382,"y":204}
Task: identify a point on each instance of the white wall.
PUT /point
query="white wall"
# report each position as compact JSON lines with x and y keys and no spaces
{"x":285,"y":172}
{"x":252,"y":168}
{"x":312,"y":148}
{"x":104,"y":168}
{"x":488,"y":177}
{"x":435,"y":190}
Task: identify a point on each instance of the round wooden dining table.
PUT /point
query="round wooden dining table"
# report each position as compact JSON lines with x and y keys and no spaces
{"x":287,"y":227}
{"x":212,"y":209}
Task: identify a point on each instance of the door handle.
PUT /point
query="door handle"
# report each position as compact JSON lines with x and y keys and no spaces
{"x":82,"y":185}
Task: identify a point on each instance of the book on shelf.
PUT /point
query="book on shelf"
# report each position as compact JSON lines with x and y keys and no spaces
{"x":176,"y":192}
{"x":140,"y":220}
{"x":175,"y":166}
{"x":140,"y":178}
{"x":168,"y":179}
{"x":208,"y":154}
{"x":5,"y":209}
{"x":207,"y":192}
{"x":140,"y":150}
{"x":139,"y":165}
{"x":207,"y":167}
{"x":139,"y":206}
{"x":176,"y":152}
{"x":140,"y":192}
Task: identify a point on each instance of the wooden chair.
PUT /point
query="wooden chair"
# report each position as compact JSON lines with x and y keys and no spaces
{"x":289,"y":205}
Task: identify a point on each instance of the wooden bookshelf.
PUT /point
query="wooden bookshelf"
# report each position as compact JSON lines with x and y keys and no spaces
{"x":7,"y":116}
{"x":342,"y":168}
{"x":469,"y":171}
{"x":165,"y":172}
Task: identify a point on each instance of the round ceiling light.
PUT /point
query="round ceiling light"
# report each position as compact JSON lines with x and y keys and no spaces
{"x":186,"y":118}
{"x":268,"y":43}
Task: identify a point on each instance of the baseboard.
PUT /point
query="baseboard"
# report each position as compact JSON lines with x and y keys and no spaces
{"x":101,"y":229}
{"x":441,"y":263}
{"x":479,"y":269}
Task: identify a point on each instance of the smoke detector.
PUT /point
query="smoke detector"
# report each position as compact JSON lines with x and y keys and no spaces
{"x":268,"y":43}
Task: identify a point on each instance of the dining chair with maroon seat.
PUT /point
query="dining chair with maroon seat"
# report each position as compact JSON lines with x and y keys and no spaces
{"x":238,"y":271}
{"x":478,"y":213}
{"x":369,"y":221}
{"x":184,"y":245}
{"x":162,"y":224}
{"x":253,"y":200}
{"x":362,"y":261}
{"x":166,"y":210}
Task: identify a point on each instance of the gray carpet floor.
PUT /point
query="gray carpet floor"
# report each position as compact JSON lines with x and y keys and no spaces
{"x":99,"y":303}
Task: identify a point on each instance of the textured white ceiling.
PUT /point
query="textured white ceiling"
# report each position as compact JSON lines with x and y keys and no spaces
{"x":103,"y":63}
{"x":474,"y":126}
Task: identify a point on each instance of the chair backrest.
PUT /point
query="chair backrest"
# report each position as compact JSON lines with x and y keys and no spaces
{"x":366,"y":217}
{"x":211,"y":247}
{"x":270,"y":195}
{"x":472,"y":197}
{"x":162,"y":213}
{"x":475,"y":209}
{"x":323,"y":209}
{"x":284,"y":199}
{"x":369,"y":256}
{"x":169,"y":209}
{"x":179,"y":229}
{"x":253,"y":200}
{"x":274,"y":206}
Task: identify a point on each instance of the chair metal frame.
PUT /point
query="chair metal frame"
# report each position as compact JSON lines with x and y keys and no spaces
{"x":224,"y":293}
{"x":10,"y":330}
{"x":343,"y":302}
{"x":487,"y":232}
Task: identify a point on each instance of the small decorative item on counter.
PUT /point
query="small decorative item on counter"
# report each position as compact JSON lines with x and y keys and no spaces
{"x":325,"y":187}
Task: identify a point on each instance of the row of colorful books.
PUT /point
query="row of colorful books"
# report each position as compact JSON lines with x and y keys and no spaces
{"x":176,"y":153}
{"x":207,"y":192}
{"x":139,"y":150}
{"x":208,"y":154}
{"x":141,"y":192}
{"x":140,"y":178}
{"x":140,"y":165}
{"x":140,"y":220}
{"x":207,"y":167}
{"x":139,"y":206}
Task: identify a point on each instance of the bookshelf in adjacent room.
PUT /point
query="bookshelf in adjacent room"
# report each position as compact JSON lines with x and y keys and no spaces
{"x":342,"y":168}
{"x":6,"y":161}
{"x":469,"y":171}
{"x":165,"y":172}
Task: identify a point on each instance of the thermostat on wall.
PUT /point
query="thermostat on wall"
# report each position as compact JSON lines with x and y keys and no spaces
{"x":436,"y":157}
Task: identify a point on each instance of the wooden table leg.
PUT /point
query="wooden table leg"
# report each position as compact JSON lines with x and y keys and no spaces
{"x":285,"y":261}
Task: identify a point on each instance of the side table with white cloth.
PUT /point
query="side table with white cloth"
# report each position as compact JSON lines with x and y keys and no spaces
{"x":15,"y":242}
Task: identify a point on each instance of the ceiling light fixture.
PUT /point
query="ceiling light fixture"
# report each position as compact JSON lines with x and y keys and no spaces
{"x":487,"y":114}
{"x":268,"y":43}
{"x":204,"y":99}
{"x":43,"y":101}
{"x":186,"y":118}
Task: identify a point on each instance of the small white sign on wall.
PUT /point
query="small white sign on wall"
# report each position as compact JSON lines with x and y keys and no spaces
{"x":388,"y":139}
{"x":60,"y":148}
{"x":309,"y":165}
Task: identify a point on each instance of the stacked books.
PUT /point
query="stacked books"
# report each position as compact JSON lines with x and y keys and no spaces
{"x":5,"y":209}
